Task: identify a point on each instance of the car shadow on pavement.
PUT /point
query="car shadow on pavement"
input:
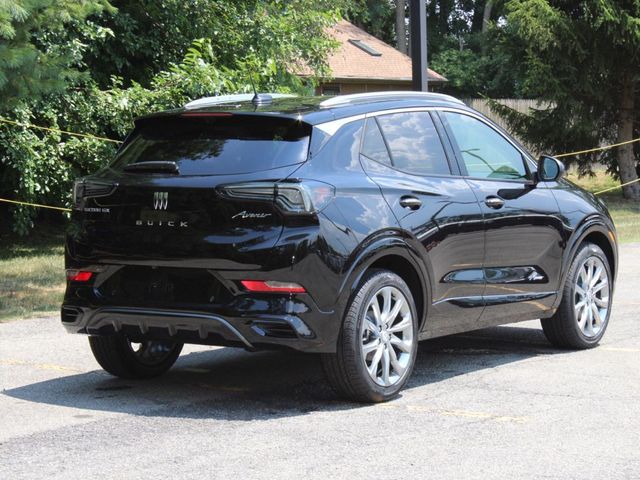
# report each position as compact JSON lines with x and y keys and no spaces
{"x":236,"y":385}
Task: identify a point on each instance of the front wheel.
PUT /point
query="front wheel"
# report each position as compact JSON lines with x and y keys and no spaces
{"x":583,"y":314}
{"x":378,"y":342}
{"x":126,"y":359}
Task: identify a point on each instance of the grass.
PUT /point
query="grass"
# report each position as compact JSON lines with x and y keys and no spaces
{"x":32,"y":278}
{"x":625,"y":213}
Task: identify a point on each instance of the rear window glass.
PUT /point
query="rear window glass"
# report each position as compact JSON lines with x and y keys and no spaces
{"x":217,"y":145}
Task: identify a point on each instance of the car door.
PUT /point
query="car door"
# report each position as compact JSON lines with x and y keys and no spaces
{"x":523,"y":240}
{"x":404,"y":154}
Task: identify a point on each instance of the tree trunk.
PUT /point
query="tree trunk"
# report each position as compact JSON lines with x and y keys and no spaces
{"x":486,"y":16}
{"x":626,"y":159}
{"x":401,"y":27}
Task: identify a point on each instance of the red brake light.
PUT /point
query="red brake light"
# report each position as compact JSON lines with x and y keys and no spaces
{"x":207,"y":114}
{"x":78,"y":276}
{"x":272,"y":286}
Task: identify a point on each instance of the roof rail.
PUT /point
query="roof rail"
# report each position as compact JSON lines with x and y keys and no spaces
{"x":341,"y":100}
{"x":222,"y":99}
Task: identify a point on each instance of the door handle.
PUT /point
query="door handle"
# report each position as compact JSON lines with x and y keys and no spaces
{"x":410,"y":202}
{"x":494,"y":202}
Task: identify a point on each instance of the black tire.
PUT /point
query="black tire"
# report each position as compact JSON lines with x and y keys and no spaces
{"x":563,"y":329}
{"x":116,"y":355}
{"x":346,"y":369}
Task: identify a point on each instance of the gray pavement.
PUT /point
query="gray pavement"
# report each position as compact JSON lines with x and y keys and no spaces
{"x":496,"y":403}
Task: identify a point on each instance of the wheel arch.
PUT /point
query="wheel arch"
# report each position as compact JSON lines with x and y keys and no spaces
{"x":601,"y":240}
{"x":398,"y":256}
{"x":598,"y":232}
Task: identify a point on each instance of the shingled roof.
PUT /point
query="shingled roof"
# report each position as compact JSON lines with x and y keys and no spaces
{"x":361,"y":56}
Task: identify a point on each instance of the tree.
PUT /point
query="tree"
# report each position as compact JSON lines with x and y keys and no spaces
{"x":149,"y":35}
{"x":28,"y":65}
{"x":374,"y":16}
{"x":583,"y":57}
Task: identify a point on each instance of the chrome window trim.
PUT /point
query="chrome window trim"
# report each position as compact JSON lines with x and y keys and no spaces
{"x":332,"y":126}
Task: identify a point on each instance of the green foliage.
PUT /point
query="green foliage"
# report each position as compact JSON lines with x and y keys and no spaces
{"x":150,"y":35}
{"x":28,"y":65}
{"x":377,"y":17}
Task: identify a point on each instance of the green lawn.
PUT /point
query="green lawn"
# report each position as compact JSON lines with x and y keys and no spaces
{"x":32,"y":277}
{"x":625,"y":213}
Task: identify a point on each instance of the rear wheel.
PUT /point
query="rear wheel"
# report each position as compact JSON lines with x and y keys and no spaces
{"x":126,"y":359}
{"x":583,"y":315}
{"x":378,"y":342}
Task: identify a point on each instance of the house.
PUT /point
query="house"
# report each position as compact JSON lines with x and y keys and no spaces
{"x":363,"y":63}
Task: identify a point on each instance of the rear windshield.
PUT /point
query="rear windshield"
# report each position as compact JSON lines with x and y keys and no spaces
{"x":224,"y":145}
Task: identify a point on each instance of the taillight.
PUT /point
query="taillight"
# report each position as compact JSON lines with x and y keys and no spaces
{"x":272,"y":286}
{"x":307,"y":196}
{"x":83,"y":189}
{"x":79,"y":275}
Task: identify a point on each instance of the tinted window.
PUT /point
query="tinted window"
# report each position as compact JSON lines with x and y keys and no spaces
{"x":218,"y":145}
{"x":485,"y":152}
{"x":414,"y":143}
{"x":373,"y":144}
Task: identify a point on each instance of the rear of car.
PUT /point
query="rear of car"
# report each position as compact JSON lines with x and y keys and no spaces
{"x":187,"y":236}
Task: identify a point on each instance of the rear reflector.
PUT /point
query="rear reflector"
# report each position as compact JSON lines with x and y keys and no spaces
{"x":78,"y":276}
{"x":272,"y":286}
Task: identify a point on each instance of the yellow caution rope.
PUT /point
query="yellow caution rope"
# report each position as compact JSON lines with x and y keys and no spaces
{"x":84,"y":135}
{"x":606,"y":147}
{"x":617,"y":186}
{"x":56,"y":130}
{"x":34,"y":205}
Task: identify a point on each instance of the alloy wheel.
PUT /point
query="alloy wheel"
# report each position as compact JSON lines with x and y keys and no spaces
{"x":387,"y":336}
{"x":591,"y":298}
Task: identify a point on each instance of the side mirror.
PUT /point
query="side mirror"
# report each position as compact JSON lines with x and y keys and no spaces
{"x":549,"y":169}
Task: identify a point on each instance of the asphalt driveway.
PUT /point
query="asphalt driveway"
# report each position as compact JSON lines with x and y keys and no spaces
{"x":496,"y":403}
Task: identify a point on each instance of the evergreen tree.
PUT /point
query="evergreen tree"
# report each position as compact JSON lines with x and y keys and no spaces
{"x":583,"y":57}
{"x":29,"y":64}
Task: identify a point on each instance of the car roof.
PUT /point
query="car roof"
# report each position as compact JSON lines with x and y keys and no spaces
{"x":314,"y":110}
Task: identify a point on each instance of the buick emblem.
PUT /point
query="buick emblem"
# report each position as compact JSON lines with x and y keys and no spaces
{"x":160,"y":200}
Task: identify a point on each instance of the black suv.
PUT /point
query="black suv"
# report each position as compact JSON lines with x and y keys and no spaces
{"x":350,"y":226}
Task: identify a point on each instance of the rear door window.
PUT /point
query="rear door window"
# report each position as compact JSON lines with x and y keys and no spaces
{"x":224,"y":145}
{"x":373,"y":145}
{"x":414,"y":143}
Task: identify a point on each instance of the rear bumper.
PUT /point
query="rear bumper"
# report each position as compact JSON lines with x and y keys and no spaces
{"x":317,"y":332}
